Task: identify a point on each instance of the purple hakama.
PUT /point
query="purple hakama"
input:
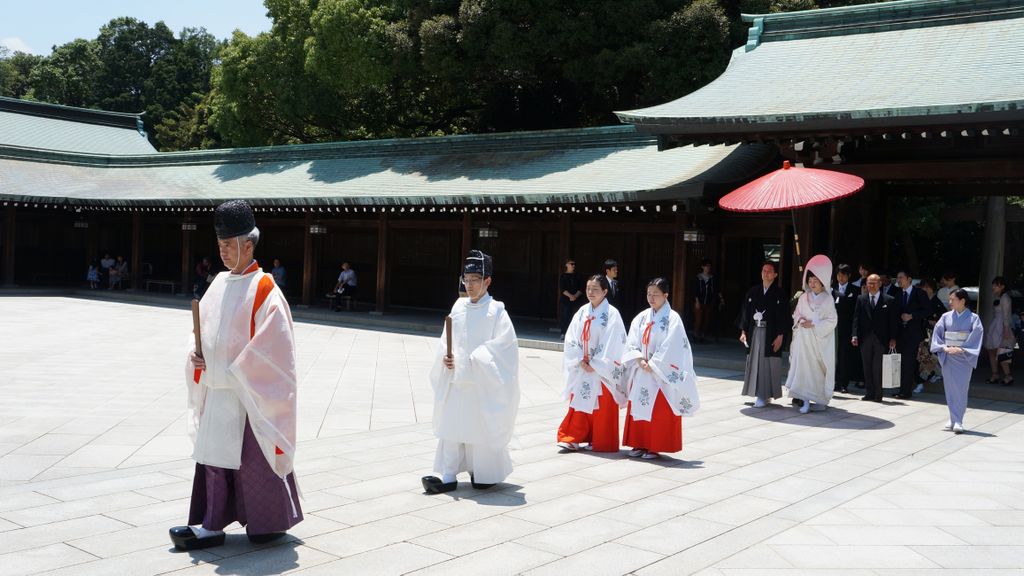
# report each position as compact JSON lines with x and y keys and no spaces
{"x":253,"y":495}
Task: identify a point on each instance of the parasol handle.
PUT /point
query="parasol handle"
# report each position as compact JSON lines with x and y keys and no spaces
{"x":796,"y":243}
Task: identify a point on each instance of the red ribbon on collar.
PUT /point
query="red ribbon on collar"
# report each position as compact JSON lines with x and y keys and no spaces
{"x":646,"y":340}
{"x":586,"y":339}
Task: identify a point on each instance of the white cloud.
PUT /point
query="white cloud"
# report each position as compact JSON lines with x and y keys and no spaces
{"x":15,"y":44}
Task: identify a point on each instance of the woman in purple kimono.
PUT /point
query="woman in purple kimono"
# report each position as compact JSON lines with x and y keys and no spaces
{"x":956,"y":341}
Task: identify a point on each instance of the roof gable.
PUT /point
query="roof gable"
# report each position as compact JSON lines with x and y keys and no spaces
{"x":44,"y":126}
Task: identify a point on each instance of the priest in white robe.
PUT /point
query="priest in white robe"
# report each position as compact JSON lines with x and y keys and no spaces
{"x":812,"y":359}
{"x":241,"y":398}
{"x":476,"y":388}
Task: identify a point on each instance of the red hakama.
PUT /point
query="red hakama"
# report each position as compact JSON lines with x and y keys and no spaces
{"x":601,"y":428}
{"x":663,"y":434}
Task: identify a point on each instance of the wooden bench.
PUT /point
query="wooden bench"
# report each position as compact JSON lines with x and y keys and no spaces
{"x":161,"y":284}
{"x":335,"y":300}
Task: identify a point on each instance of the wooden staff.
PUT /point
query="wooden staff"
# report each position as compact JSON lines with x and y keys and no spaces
{"x":448,"y":333}
{"x":195,"y":328}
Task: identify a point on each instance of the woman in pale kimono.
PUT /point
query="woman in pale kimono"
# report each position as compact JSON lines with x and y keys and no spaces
{"x":594,"y":344}
{"x":659,"y":378}
{"x":957,"y":340}
{"x":812,"y":360}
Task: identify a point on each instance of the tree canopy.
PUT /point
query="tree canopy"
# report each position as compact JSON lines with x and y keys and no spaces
{"x":354,"y":69}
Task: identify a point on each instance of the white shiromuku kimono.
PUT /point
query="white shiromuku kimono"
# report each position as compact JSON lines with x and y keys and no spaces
{"x":660,"y":338}
{"x":606,"y":334}
{"x":249,"y":349}
{"x":475,"y":404}
{"x":812,"y":355}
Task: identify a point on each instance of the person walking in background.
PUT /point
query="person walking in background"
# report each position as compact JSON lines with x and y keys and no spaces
{"x":707,"y":298}
{"x":957,"y":341}
{"x":927,"y":364}
{"x":611,"y":273}
{"x":999,"y":340}
{"x":875,"y":325}
{"x":812,"y":360}
{"x":914,"y":311}
{"x":204,"y":276}
{"x":93,"y":275}
{"x":862,"y":270}
{"x":594,"y":345}
{"x":569,"y":291}
{"x":848,"y":364}
{"x":765,"y":315}
{"x":948,"y":286}
{"x":279,"y":274}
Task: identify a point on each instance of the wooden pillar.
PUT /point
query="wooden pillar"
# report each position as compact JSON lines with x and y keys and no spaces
{"x":564,"y":240}
{"x":186,"y":261}
{"x":136,"y":264}
{"x":992,"y":254}
{"x":632,"y":285}
{"x":9,"y":246}
{"x":382,"y":261}
{"x":679,"y":265}
{"x":467,"y":236}
{"x":307,"y":261}
{"x":93,"y":235}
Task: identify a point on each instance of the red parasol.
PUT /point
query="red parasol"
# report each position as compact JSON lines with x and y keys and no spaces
{"x":789,"y":188}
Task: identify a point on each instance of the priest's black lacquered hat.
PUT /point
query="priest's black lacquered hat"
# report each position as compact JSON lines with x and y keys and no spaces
{"x":478,"y":263}
{"x":233,"y":218}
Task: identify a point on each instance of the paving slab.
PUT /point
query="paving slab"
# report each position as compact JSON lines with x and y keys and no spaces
{"x":89,"y":483}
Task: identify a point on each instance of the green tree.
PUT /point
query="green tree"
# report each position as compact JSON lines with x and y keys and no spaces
{"x":15,"y":70}
{"x":68,"y":76}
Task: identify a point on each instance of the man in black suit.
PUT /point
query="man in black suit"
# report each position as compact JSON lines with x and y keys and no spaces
{"x":611,"y":271}
{"x":914,"y":311}
{"x":847,"y":360}
{"x":875,"y":325}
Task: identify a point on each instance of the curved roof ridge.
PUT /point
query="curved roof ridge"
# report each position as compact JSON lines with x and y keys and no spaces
{"x":865,"y":18}
{"x":61,"y":112}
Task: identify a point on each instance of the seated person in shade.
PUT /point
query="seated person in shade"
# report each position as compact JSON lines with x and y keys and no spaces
{"x":346,"y":285}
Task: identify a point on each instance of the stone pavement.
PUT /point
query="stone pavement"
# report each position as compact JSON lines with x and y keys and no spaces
{"x":94,"y":468}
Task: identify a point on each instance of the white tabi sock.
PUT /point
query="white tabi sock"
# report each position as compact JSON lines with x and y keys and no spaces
{"x":447,"y":478}
{"x":204,"y":533}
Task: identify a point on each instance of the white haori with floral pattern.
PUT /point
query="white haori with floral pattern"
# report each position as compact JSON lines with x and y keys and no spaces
{"x":605,"y":345}
{"x":668,"y":353}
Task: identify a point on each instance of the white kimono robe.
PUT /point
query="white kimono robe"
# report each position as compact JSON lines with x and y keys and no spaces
{"x":607,"y":343}
{"x":475,"y":404}
{"x":250,"y":372}
{"x":812,"y":355}
{"x":668,"y":353}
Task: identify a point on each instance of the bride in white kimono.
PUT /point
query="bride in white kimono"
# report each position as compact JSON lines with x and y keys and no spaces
{"x":812,"y":359}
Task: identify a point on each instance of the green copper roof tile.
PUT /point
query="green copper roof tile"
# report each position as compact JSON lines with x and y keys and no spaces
{"x":606,"y":164}
{"x":50,"y":127}
{"x":898,"y":75}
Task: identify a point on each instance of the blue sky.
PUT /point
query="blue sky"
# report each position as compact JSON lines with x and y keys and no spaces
{"x":37,"y":25}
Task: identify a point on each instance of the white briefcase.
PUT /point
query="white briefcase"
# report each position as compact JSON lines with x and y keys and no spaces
{"x":891,"y":369}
